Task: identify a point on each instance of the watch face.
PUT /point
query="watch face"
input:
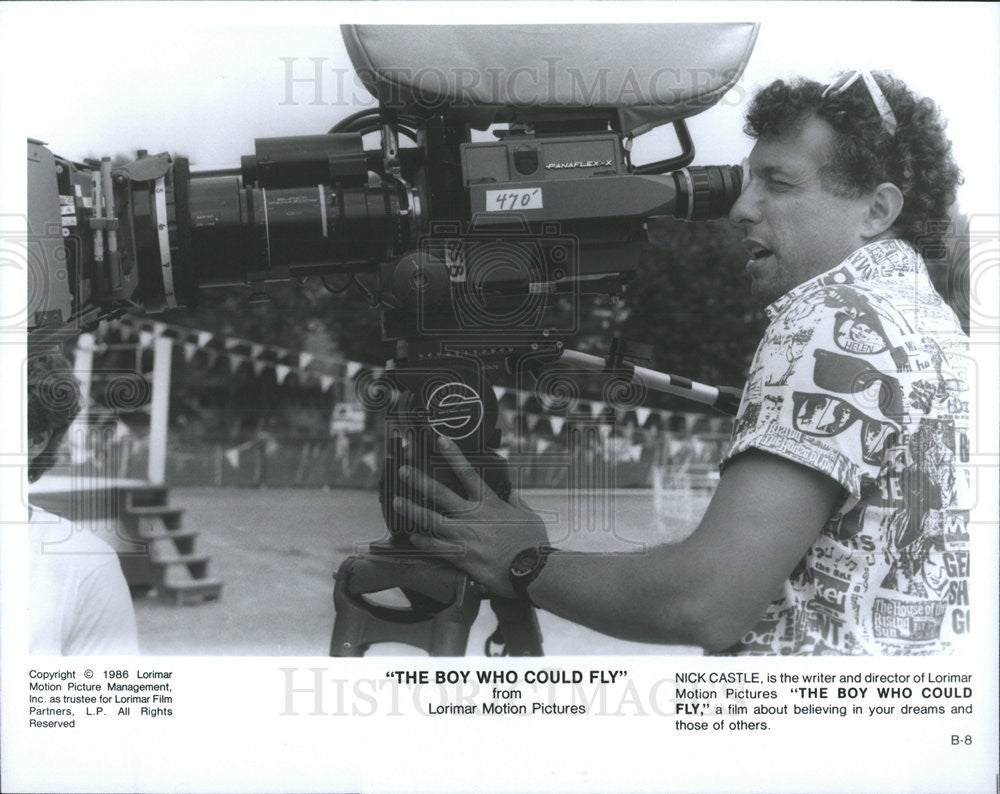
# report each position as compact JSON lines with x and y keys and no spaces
{"x":524,"y":563}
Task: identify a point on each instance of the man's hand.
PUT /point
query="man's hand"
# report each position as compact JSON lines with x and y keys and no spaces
{"x":481,"y":535}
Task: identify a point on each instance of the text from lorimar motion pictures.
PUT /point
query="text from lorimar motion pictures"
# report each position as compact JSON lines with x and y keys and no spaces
{"x":691,"y":701}
{"x":69,"y":698}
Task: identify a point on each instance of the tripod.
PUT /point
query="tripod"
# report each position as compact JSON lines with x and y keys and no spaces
{"x":447,"y":396}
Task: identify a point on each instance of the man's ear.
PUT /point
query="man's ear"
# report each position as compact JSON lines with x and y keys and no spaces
{"x":884,"y":205}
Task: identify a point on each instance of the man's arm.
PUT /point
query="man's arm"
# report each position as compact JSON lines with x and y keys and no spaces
{"x":709,"y":589}
{"x":706,"y":590}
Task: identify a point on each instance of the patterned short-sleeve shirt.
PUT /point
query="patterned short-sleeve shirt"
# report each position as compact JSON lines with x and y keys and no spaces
{"x":862,"y":375}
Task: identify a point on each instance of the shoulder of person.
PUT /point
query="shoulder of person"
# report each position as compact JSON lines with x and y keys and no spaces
{"x":60,"y":535}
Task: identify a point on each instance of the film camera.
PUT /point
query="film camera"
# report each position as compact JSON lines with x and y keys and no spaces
{"x":466,"y":246}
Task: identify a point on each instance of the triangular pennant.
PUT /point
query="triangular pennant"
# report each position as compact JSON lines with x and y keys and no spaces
{"x":522,"y":398}
{"x":531,"y":420}
{"x":204,"y":337}
{"x":258,"y":367}
{"x":256,"y":350}
{"x":145,"y":338}
{"x":596,"y":409}
{"x":557,"y":423}
{"x":234,"y":363}
{"x":190,"y":348}
{"x":305,"y":359}
{"x":353,"y":367}
{"x":499,"y":391}
{"x":158,"y":329}
{"x":325,"y":382}
{"x":229,"y":344}
{"x":281,"y":372}
{"x":642,"y":414}
{"x":635,"y":452}
{"x":542,"y":445}
{"x":233,"y":457}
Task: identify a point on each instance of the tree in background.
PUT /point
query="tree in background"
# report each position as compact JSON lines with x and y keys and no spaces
{"x":209,"y":397}
{"x":691,"y":301}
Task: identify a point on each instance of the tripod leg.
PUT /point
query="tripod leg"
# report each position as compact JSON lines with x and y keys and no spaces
{"x":519,"y":626}
{"x":360,"y":623}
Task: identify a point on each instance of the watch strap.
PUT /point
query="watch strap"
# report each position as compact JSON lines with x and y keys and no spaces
{"x":521,"y":579}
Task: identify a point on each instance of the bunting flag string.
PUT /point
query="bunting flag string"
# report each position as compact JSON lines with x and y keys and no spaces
{"x":311,"y":368}
{"x":239,"y":351}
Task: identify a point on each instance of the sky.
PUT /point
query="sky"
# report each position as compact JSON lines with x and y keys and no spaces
{"x":204,"y":80}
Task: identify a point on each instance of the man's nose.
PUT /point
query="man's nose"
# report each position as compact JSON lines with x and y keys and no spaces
{"x":745,"y":209}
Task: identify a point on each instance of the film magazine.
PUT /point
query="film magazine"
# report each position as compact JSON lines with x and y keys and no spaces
{"x":381,"y":224}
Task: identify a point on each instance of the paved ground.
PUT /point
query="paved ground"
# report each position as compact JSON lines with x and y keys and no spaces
{"x":275,"y":552}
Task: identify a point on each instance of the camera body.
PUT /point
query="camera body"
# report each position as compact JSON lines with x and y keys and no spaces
{"x":451,"y":235}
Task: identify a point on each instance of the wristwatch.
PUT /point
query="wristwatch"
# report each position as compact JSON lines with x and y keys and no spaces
{"x":526,"y":566}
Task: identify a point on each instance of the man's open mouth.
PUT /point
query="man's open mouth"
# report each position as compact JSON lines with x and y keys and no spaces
{"x":756,"y":251}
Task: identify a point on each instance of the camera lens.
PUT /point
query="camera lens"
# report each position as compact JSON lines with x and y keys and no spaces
{"x":707,"y":192}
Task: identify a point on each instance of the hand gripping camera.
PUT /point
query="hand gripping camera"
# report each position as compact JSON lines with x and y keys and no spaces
{"x":500,"y":190}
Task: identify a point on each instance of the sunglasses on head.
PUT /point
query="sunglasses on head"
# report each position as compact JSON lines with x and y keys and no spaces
{"x":846,"y":80}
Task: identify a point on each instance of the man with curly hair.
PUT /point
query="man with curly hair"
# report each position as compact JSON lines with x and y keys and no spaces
{"x":79,"y":601}
{"x":791,"y":557}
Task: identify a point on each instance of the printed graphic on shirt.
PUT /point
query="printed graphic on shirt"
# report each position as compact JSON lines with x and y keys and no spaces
{"x":861,"y":376}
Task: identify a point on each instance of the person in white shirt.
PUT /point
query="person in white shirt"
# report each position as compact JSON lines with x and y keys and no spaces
{"x":79,"y":601}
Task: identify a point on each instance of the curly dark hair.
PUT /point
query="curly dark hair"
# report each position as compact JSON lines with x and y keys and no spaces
{"x":53,"y":403}
{"x":917,"y":159}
